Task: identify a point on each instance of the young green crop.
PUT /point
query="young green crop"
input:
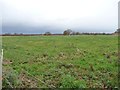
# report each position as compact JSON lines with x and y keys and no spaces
{"x":63,"y":61}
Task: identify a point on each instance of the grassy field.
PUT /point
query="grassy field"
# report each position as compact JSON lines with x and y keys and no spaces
{"x":60,"y":61}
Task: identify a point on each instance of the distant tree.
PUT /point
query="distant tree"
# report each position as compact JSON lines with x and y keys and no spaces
{"x":103,"y":33}
{"x":15,"y":34}
{"x":77,"y":33}
{"x":67,"y":32}
{"x":21,"y":33}
{"x":47,"y":33}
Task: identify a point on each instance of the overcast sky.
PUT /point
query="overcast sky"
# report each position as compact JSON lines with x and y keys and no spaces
{"x":119,"y":15}
{"x":39,"y":16}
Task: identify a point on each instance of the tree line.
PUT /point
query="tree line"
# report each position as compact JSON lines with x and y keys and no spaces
{"x":66,"y":32}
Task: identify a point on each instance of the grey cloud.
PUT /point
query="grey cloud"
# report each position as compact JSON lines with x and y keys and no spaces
{"x":26,"y":19}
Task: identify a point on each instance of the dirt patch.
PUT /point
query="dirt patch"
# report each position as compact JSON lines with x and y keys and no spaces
{"x":7,"y":62}
{"x":27,"y":81}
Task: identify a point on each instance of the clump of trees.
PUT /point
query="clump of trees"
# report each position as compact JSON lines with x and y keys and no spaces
{"x":47,"y":33}
{"x":70,"y":32}
{"x":67,"y":32}
{"x":77,"y":33}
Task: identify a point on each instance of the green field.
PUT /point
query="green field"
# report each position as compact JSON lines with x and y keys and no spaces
{"x":60,"y":61}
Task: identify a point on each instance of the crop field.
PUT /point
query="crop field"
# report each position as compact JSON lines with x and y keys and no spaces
{"x":83,"y":61}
